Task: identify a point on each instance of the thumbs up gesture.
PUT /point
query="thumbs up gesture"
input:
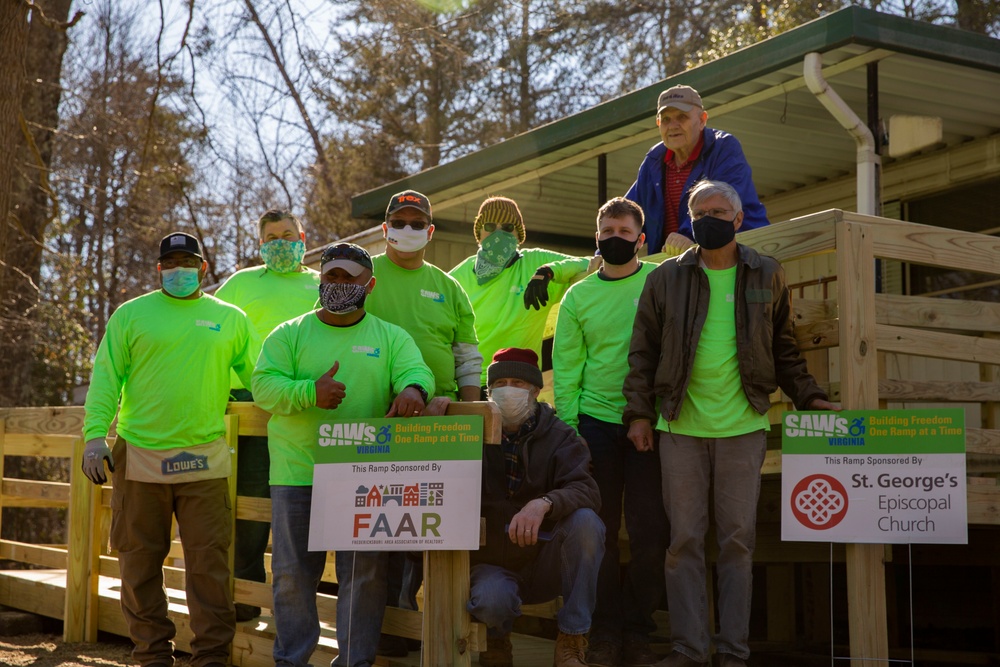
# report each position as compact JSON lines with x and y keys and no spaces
{"x":330,"y":392}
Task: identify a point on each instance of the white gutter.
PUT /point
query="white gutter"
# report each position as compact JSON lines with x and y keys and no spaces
{"x":868,"y":159}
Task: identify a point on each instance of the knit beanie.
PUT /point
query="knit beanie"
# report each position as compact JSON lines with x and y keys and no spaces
{"x":502,"y":211}
{"x":515,"y":362}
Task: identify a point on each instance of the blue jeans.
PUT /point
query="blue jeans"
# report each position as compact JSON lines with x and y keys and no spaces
{"x":567,"y":565}
{"x":296,"y":574}
{"x":690,"y":465}
{"x":362,"y":578}
{"x":253,"y":467}
{"x":627,"y":606}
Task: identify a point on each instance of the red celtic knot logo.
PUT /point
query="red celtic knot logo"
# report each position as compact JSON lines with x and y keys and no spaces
{"x":819,"y":502}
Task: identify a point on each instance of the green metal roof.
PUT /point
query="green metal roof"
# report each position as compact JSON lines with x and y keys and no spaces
{"x":755,"y":93}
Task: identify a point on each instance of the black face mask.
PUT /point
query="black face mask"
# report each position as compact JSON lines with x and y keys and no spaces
{"x":616,"y":250}
{"x":713,"y":233}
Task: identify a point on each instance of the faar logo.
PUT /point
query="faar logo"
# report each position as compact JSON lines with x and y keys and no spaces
{"x":819,"y":502}
{"x":367,"y":350}
{"x":182,"y":463}
{"x":213,"y":326}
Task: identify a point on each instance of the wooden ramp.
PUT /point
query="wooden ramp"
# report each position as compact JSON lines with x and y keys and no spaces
{"x":861,"y":345}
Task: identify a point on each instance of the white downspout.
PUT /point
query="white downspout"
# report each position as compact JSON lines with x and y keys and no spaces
{"x":868,"y":159}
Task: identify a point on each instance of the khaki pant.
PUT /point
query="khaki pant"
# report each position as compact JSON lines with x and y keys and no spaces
{"x":140,"y":532}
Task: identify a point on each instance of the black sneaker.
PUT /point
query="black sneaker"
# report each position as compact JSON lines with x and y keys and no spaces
{"x":245,"y":612}
{"x":392,"y":646}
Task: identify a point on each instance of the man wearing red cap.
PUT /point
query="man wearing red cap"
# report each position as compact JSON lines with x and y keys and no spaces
{"x":432,"y":307}
{"x":166,"y":357}
{"x":543,"y":535}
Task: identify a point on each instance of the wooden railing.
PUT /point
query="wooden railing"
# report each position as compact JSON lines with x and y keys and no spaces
{"x":848,"y":338}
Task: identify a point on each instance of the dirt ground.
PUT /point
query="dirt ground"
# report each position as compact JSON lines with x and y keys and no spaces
{"x":49,"y":650}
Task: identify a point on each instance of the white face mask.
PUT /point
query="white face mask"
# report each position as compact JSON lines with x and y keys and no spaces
{"x":514,"y":402}
{"x":407,"y":239}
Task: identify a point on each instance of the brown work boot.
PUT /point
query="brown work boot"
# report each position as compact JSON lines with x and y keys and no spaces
{"x":636,"y":652}
{"x":571,"y":651}
{"x":498,"y":653}
{"x":678,"y":659}
{"x":603,"y":653}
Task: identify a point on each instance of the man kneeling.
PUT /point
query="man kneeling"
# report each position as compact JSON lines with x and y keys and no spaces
{"x":543,"y":535}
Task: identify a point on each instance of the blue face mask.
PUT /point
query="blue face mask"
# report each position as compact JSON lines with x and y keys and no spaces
{"x":181,"y":282}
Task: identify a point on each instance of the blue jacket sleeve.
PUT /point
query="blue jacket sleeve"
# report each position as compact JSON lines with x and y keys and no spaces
{"x":647,"y":192}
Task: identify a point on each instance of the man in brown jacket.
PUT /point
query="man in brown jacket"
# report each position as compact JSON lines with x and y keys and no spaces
{"x":712,"y":339}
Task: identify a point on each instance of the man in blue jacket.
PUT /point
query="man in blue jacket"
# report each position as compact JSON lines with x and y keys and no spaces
{"x":689,"y":152}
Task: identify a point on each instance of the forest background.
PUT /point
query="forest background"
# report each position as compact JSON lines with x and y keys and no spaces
{"x":122,"y":120}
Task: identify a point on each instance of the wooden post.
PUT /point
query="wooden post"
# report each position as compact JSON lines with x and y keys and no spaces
{"x":79,"y":559}
{"x":446,"y":623}
{"x":448,"y":633}
{"x":232,"y":435}
{"x":866,"y":602}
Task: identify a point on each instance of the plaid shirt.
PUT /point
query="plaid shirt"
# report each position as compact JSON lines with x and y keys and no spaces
{"x":511,"y":444}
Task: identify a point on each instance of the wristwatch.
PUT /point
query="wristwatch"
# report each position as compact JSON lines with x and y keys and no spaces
{"x":548,"y":500}
{"x":423,"y":392}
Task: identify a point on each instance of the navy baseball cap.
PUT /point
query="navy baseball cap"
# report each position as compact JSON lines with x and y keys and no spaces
{"x":179,"y":241}
{"x":352,"y":258}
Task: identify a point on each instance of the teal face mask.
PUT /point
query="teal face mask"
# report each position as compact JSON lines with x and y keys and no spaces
{"x":496,"y":250}
{"x":283,"y":256}
{"x":180,"y":282}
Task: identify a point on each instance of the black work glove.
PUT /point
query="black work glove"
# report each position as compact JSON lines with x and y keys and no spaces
{"x":537,"y":292}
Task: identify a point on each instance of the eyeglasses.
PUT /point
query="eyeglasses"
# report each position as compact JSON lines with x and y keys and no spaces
{"x":506,"y":227}
{"x":714,"y":212}
{"x":416,"y":225}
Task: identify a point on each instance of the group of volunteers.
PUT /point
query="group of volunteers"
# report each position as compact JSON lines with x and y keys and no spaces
{"x":648,"y":418}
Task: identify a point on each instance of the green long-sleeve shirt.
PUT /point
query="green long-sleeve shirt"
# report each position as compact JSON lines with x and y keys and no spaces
{"x":501,"y":319}
{"x":590,"y":348}
{"x":269,"y":298}
{"x":169,"y":361}
{"x":377,"y":361}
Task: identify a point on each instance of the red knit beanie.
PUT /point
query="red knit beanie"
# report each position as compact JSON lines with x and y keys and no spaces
{"x":515,"y":362}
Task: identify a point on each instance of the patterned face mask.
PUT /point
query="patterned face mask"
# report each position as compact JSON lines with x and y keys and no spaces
{"x":496,"y":250}
{"x":283,"y":256}
{"x":342,"y":298}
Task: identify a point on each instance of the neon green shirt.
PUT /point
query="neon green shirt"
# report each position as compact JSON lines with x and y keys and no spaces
{"x":590,"y":348}
{"x":270,"y":298}
{"x":501,"y":319}
{"x":429,"y":305}
{"x":715,"y":405}
{"x":169,"y":361}
{"x":377,"y":361}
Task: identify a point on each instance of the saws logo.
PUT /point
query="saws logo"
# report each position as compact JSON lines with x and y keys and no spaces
{"x":829,"y":425}
{"x":356,"y":434}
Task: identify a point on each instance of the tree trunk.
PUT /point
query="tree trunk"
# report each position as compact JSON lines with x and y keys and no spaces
{"x":30,"y":65}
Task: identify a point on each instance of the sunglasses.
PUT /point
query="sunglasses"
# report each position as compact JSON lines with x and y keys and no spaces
{"x":506,"y":227}
{"x":416,"y":225}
